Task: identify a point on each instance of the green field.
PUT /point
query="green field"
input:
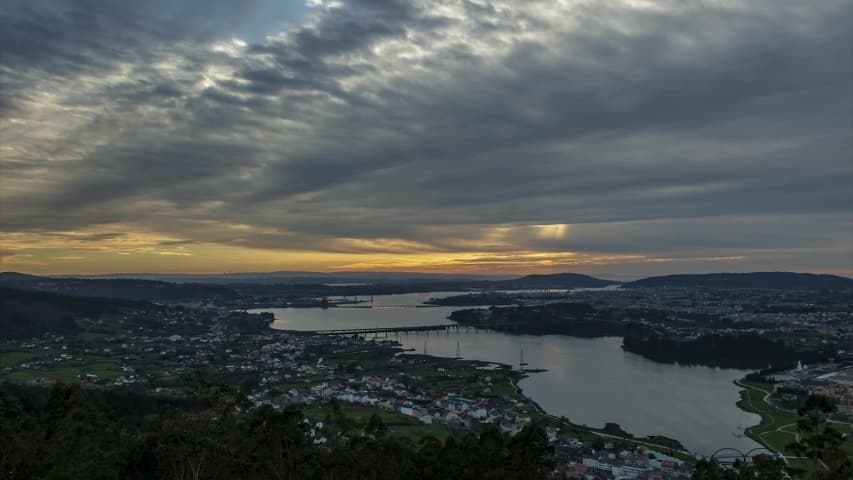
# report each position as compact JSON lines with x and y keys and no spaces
{"x":397,"y":423}
{"x":776,"y":425}
{"x":15,"y":358}
{"x":358,"y":414}
{"x":778,"y":428}
{"x":68,"y":371}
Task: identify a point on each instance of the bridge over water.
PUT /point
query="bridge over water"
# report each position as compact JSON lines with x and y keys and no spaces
{"x":729,"y":455}
{"x":367,"y":331}
{"x":446,"y":327}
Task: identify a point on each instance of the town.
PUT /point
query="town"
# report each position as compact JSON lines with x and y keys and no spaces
{"x":154,"y":353}
{"x":704,"y":326}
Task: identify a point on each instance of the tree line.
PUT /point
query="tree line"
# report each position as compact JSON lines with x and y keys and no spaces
{"x":73,"y":433}
{"x":68,"y":432}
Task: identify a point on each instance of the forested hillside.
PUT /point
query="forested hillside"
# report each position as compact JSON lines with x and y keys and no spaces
{"x":27,"y":314}
{"x":75,"y":434}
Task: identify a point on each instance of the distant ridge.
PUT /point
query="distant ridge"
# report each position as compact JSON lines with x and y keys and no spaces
{"x":131,"y":289}
{"x":556,"y":280}
{"x":29,"y":313}
{"x":756,"y":280}
{"x":15,"y":276}
{"x":236,"y":290}
{"x":291,"y":277}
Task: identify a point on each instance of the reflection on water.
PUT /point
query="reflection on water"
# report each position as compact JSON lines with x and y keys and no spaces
{"x":589,"y":381}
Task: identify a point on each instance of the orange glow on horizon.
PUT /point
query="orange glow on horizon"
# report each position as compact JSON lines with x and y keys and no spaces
{"x":93,"y":251}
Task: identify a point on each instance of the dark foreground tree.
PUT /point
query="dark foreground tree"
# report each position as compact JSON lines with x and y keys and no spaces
{"x":762,"y":467}
{"x":820,"y":442}
{"x":817,"y":441}
{"x":75,"y":435}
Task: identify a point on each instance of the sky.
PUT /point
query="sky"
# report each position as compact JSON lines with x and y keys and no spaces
{"x":612,"y":137}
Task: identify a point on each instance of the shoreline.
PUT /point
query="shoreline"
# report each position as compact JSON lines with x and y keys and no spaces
{"x":518,"y":375}
{"x":657,"y":447}
{"x":764,"y":419}
{"x":680,"y":452}
{"x":779,"y":425}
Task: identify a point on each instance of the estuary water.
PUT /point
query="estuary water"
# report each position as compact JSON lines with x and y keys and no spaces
{"x":589,"y":381}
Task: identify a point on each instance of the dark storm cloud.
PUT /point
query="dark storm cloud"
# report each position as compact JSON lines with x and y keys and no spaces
{"x":299,"y":60}
{"x":434,"y":122}
{"x":53,"y":33}
{"x":637,"y":85}
{"x":60,"y":39}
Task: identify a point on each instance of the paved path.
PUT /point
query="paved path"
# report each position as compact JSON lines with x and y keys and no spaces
{"x":772,"y":419}
{"x":783,"y":428}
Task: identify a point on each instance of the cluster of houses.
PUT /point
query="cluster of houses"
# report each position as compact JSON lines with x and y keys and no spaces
{"x":639,"y":464}
{"x":288,"y":376}
{"x":832,"y":380}
{"x":576,"y":459}
{"x":804,"y":317}
{"x":391,"y":394}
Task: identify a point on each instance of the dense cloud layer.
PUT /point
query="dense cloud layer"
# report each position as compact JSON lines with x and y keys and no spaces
{"x":612,"y":131}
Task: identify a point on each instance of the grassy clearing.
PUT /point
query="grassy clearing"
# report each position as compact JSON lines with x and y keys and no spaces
{"x":772,"y":418}
{"x":27,"y":376}
{"x":15,"y":358}
{"x":780,"y":439}
{"x":504,"y":389}
{"x":778,"y":428}
{"x":397,"y":423}
{"x":70,"y":371}
{"x":359,"y":414}
{"x":845,"y":428}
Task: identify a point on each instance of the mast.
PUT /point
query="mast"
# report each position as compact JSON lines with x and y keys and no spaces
{"x":521,"y":363}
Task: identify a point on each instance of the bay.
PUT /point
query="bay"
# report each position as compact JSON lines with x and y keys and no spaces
{"x":589,"y":381}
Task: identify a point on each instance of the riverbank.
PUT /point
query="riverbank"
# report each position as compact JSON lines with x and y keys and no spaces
{"x":675,"y":449}
{"x":778,"y":427}
{"x":520,"y":401}
{"x":590,"y":381}
{"x":664,"y":336}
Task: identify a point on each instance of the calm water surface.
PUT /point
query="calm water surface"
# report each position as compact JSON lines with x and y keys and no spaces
{"x":589,"y":381}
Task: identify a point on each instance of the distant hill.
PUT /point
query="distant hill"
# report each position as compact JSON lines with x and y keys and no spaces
{"x":556,"y":280}
{"x":273,"y":289}
{"x":28,"y":314}
{"x":145,"y":290}
{"x":296,"y":277}
{"x":231,"y":289}
{"x":756,"y":280}
{"x":17,"y":277}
